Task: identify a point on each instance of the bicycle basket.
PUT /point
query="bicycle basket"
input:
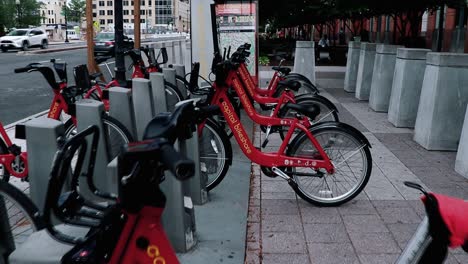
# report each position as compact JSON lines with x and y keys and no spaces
{"x":61,"y":70}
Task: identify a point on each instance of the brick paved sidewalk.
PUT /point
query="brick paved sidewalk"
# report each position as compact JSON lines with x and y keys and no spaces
{"x":375,"y":226}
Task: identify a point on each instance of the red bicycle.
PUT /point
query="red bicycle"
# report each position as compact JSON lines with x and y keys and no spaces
{"x":129,"y":230}
{"x":94,"y":89}
{"x":64,"y":103}
{"x":13,"y":161}
{"x":326,"y":164}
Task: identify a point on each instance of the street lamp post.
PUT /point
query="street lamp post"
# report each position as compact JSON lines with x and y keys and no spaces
{"x":66,"y":24}
{"x":18,"y":10}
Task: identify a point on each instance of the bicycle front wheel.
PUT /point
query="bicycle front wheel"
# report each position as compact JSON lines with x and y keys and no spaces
{"x":215,"y":153}
{"x":173,"y":96}
{"x":19,"y":217}
{"x":351,"y":159}
{"x":115,"y":132}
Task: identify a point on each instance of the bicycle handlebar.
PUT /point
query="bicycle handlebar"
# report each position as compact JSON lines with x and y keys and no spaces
{"x":47,"y":72}
{"x":21,"y":70}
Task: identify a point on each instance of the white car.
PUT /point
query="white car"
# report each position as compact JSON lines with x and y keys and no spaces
{"x":24,"y":39}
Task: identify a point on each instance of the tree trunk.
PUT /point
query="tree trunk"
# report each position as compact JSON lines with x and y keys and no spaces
{"x":137,"y":24}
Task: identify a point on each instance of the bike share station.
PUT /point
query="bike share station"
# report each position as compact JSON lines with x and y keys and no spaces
{"x":202,"y":227}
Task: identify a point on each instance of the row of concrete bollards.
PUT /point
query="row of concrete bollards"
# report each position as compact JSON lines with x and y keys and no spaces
{"x":419,"y":89}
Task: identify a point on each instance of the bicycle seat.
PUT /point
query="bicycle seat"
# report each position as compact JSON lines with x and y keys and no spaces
{"x":102,"y":59}
{"x":282,"y":70}
{"x":309,"y":110}
{"x":291,"y":84}
{"x":172,"y":125}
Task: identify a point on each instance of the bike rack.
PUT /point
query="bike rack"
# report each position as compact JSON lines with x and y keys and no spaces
{"x":121,"y":107}
{"x":89,"y":112}
{"x":41,"y":142}
{"x":159,"y":94}
{"x":142,"y":105}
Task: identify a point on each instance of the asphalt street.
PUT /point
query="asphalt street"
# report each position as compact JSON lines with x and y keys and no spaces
{"x":24,"y":94}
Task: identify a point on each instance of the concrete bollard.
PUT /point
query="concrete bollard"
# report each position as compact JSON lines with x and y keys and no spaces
{"x":406,"y":89}
{"x":443,"y":101}
{"x":142,"y":105}
{"x":41,"y":143}
{"x":179,"y":59}
{"x":352,"y":65}
{"x":180,"y":71}
{"x":461,"y":162}
{"x":88,"y":113}
{"x":159,"y":93}
{"x":382,"y":79}
{"x":170,"y":51}
{"x":365,"y":70}
{"x":121,"y":107}
{"x":304,"y":59}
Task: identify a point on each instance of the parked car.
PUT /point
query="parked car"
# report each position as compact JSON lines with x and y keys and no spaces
{"x":72,"y":34}
{"x":104,"y":43}
{"x":24,"y":39}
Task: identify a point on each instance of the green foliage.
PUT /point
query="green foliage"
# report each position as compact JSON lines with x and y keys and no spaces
{"x":76,"y":10}
{"x":263,"y":60}
{"x":299,"y":12}
{"x":29,"y":13}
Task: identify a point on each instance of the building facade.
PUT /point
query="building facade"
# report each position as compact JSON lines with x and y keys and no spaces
{"x":155,"y":15}
{"x":51,"y":12}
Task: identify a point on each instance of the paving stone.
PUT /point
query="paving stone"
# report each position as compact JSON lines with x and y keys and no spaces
{"x":374,"y":243}
{"x":326,"y":215}
{"x":281,"y":223}
{"x":279,"y":195}
{"x":254,"y":214}
{"x":285,"y":258}
{"x":392,"y":215}
{"x":334,"y":253}
{"x":326,"y":233}
{"x":462,"y":257}
{"x":402,"y":232}
{"x":357,"y":207}
{"x":277,"y":242}
{"x":278,"y":207}
{"x":276,"y":186}
{"x":378,"y":258}
{"x":418,"y":208}
{"x":364,"y":224}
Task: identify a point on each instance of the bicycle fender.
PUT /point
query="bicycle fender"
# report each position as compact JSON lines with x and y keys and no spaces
{"x":358,"y":134}
{"x":318,"y":98}
{"x":299,"y":77}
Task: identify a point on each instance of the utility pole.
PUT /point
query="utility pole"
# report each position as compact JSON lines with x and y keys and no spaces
{"x":92,"y":67}
{"x":137,"y":28}
{"x":119,"y":50}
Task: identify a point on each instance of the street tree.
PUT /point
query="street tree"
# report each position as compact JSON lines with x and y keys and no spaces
{"x":77,"y":10}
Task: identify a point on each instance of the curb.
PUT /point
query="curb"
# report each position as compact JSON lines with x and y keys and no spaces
{"x":51,"y":50}
{"x":12,"y":125}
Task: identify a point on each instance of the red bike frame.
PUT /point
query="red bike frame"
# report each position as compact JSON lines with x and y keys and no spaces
{"x":253,"y":89}
{"x":7,"y":159}
{"x":146,"y":223}
{"x":278,"y":159}
{"x":59,"y":104}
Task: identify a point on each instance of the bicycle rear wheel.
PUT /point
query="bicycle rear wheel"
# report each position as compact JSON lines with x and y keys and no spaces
{"x":215,"y":153}
{"x":351,"y":159}
{"x":4,"y":174}
{"x":116,"y":134}
{"x":19,"y":217}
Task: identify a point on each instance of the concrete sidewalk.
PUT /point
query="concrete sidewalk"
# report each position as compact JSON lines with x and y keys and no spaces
{"x":372,"y":228}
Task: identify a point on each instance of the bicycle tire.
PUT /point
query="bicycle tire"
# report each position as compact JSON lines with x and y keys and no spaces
{"x":298,"y":76}
{"x":122,"y":135}
{"x":5,"y":176}
{"x":21,"y":230}
{"x":328,"y":194}
{"x":306,"y":88}
{"x":185,"y":83}
{"x":173,"y":95}
{"x":213,"y":131}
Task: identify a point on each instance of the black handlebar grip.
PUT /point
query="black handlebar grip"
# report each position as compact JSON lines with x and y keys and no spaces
{"x":20,"y":70}
{"x":181,"y":167}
